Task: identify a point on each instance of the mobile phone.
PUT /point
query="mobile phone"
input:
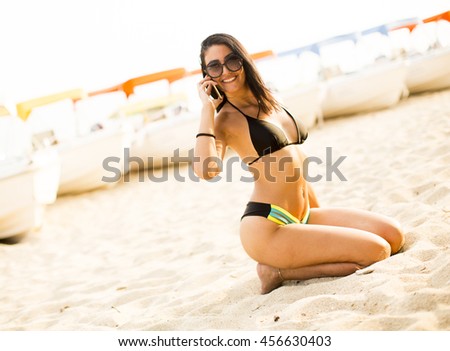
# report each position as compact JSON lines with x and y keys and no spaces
{"x":215,"y":93}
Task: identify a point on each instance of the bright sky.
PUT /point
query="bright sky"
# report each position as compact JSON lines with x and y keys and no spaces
{"x":52,"y":45}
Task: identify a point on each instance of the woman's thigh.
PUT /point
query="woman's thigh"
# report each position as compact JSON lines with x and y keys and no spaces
{"x":300,"y":245}
{"x":383,"y":226}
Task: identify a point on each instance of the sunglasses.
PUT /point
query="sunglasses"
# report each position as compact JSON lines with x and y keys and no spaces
{"x":215,"y":69}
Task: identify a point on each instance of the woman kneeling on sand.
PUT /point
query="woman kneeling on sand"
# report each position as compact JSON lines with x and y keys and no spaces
{"x":283,"y":228}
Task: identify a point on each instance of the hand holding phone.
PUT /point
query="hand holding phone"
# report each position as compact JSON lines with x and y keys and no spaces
{"x":209,"y":92}
{"x":215,"y":93}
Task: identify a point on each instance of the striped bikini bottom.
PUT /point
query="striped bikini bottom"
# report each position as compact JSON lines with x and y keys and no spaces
{"x":274,"y":213}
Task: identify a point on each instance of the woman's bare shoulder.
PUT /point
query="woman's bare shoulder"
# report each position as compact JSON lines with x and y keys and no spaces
{"x":228,"y":120}
{"x":230,"y":126}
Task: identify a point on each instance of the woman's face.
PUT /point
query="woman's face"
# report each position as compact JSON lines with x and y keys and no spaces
{"x":229,"y":82}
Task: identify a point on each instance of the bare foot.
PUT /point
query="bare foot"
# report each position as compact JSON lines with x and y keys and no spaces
{"x":270,"y":278}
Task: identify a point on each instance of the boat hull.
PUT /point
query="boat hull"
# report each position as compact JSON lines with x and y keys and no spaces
{"x":160,"y":143}
{"x":26,"y":192}
{"x":429,"y":72}
{"x":373,"y":88}
{"x":303,"y":102}
{"x":83,"y":161}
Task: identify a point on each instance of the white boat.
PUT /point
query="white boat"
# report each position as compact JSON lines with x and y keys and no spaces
{"x":427,"y":47}
{"x":28,"y":181}
{"x":164,"y":130}
{"x":26,"y":188}
{"x":295,"y":83}
{"x":357,"y":79}
{"x":164,"y":125}
{"x":429,"y":67}
{"x":86,"y":159}
{"x":92,"y":161}
{"x":19,"y":212}
{"x":357,"y":71}
{"x":372,"y":88}
{"x":303,"y":101}
{"x":430,"y":71}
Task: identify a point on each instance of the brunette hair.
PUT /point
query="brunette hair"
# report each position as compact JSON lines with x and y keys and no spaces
{"x":266,"y":100}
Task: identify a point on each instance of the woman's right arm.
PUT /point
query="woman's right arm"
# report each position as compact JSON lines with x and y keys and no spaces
{"x":208,"y":151}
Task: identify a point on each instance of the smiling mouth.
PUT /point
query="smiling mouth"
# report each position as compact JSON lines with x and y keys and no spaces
{"x":229,"y":80}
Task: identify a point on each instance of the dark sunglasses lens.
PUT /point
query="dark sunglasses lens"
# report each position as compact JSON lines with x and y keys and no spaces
{"x":234,"y":64}
{"x":214,"y":70}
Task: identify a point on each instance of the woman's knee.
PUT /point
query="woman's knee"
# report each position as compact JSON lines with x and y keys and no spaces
{"x":385,"y":251}
{"x":394,"y":235}
{"x":379,"y":250}
{"x":400,"y":236}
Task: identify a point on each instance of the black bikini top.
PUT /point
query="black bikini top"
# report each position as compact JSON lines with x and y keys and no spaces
{"x":267,"y":137}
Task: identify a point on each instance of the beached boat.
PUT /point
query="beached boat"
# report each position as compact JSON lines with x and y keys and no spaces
{"x":92,"y":161}
{"x":164,"y":125}
{"x":298,"y":92}
{"x":303,"y":101}
{"x":19,"y":212}
{"x":357,"y":83}
{"x":372,"y":88}
{"x":84,"y":157}
{"x":429,"y":63}
{"x":27,"y":186}
{"x":28,"y":180}
{"x":359,"y":71}
{"x":430,"y":71}
{"x":164,"y":130}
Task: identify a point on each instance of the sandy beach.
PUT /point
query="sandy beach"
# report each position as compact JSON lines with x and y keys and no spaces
{"x":166,"y":255}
